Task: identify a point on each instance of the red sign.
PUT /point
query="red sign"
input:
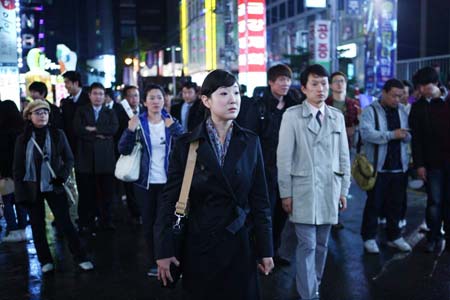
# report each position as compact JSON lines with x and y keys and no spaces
{"x":8,"y":4}
{"x":252,"y":35}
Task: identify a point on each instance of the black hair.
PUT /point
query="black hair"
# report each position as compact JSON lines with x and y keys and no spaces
{"x":39,"y":87}
{"x":189,"y":85}
{"x":109,"y":92}
{"x":425,"y":76}
{"x":153,"y":86}
{"x":243,"y":88}
{"x":10,"y":116}
{"x":392,"y":83}
{"x":408,"y":84}
{"x":338,"y":73}
{"x":96,"y":85}
{"x":73,"y":76}
{"x":217,"y":79}
{"x":316,"y":69}
{"x":126,"y":89}
{"x":278,"y":70}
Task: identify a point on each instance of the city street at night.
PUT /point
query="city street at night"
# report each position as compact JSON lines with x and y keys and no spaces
{"x":121,"y":266}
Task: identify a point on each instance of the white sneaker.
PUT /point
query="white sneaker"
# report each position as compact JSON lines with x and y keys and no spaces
{"x":402,"y":223}
{"x":86,"y":265}
{"x":14,"y":236}
{"x":371,"y":247}
{"x":47,"y":268}
{"x":400,"y":244}
{"x":424,"y":227}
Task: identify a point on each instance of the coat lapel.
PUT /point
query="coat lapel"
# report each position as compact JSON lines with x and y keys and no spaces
{"x":313,"y":126}
{"x":235,"y":150}
{"x":327,"y":126}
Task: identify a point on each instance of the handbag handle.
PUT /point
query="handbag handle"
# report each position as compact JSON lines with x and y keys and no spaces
{"x":183,"y":200}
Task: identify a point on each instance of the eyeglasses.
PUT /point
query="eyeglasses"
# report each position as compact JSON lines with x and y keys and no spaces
{"x":42,"y":112}
{"x":338,"y":81}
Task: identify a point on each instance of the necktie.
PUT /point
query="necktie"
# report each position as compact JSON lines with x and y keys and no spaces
{"x":318,"y":118}
{"x":96,"y":112}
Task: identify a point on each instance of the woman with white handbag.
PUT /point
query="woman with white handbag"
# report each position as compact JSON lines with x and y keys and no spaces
{"x":151,"y":133}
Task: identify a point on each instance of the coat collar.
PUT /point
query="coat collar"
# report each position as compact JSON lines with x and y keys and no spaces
{"x":206,"y":155}
{"x":313,"y":126}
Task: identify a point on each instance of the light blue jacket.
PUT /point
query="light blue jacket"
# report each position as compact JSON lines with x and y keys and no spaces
{"x":370,"y":136}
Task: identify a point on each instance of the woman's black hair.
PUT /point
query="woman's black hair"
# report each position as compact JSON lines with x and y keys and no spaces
{"x":217,"y":79}
{"x":153,"y":86}
{"x":10,"y":116}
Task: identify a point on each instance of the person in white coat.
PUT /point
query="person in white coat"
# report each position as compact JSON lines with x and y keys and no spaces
{"x":313,"y":174}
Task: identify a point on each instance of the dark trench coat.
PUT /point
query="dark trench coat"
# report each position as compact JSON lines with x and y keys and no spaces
{"x":229,"y":224}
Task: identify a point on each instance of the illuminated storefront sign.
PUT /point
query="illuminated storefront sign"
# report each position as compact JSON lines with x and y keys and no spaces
{"x":320,"y":33}
{"x":252,"y":43}
{"x":210,"y":35}
{"x":184,"y":34}
{"x":9,"y":73}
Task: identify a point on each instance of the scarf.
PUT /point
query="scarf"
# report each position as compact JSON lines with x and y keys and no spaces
{"x":30,"y":167}
{"x":219,"y":149}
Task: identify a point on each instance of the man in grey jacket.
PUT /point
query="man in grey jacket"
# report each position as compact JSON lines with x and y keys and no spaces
{"x":313,"y":174}
{"x":389,"y":141}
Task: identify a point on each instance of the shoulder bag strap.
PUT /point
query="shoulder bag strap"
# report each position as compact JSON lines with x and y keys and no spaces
{"x":44,"y":158}
{"x":377,"y":127}
{"x":182,"y":204}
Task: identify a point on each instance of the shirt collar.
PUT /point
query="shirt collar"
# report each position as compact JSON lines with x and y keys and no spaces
{"x":97,"y":109}
{"x":77,"y":96}
{"x":314,"y":109}
{"x":110,"y":105}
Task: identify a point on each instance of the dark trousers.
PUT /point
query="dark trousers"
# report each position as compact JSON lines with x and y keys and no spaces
{"x":133,"y":207}
{"x":389,"y":190}
{"x":438,"y":202}
{"x":148,"y":203}
{"x":15,"y":215}
{"x":95,"y":197}
{"x":60,"y":209}
{"x":279,"y":216}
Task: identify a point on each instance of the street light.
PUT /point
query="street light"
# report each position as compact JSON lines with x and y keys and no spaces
{"x":128,"y":61}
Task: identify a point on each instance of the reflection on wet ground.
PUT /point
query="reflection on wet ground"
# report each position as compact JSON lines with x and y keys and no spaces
{"x":121,"y":267}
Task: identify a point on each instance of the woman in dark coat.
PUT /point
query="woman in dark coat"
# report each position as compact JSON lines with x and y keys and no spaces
{"x":11,"y":125}
{"x":34,"y":182}
{"x":229,"y":230}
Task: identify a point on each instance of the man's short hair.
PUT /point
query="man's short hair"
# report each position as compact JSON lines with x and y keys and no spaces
{"x":277,"y":71}
{"x":126,"y":89}
{"x":338,"y":73}
{"x":96,"y":85}
{"x":73,"y":76}
{"x":426,"y":76}
{"x":189,"y":85}
{"x":39,"y":87}
{"x":408,"y":84}
{"x":392,"y":83}
{"x":316,"y":69}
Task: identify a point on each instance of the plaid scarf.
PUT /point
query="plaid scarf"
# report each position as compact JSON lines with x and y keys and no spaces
{"x":219,"y":148}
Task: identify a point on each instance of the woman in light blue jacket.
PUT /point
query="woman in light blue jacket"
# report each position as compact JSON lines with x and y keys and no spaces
{"x":155,"y":130}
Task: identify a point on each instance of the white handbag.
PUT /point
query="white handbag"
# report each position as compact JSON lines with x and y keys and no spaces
{"x":128,"y":166}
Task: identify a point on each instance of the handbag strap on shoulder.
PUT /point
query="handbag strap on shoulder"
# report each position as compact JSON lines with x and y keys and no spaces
{"x":182,"y":204}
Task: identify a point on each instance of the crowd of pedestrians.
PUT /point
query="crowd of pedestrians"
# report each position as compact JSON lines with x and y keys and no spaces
{"x":270,"y":174}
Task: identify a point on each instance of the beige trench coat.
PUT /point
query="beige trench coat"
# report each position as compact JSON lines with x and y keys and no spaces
{"x":313,"y":164}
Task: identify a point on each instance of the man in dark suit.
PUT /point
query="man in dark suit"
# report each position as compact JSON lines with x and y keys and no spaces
{"x":131,"y":94}
{"x":69,"y":105}
{"x":190,"y":112}
{"x":38,"y":91}
{"x":95,"y":126}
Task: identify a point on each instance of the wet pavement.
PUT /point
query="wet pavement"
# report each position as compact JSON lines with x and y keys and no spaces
{"x":121,"y":266}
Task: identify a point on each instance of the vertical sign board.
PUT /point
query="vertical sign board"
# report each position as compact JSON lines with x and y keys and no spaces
{"x":320,"y":42}
{"x":9,"y":73}
{"x":252,"y":43}
{"x":386,"y":40}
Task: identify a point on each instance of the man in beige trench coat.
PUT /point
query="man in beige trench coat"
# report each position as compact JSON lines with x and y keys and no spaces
{"x":314,"y":175}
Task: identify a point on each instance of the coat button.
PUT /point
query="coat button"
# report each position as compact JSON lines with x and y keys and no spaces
{"x":202,"y":167}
